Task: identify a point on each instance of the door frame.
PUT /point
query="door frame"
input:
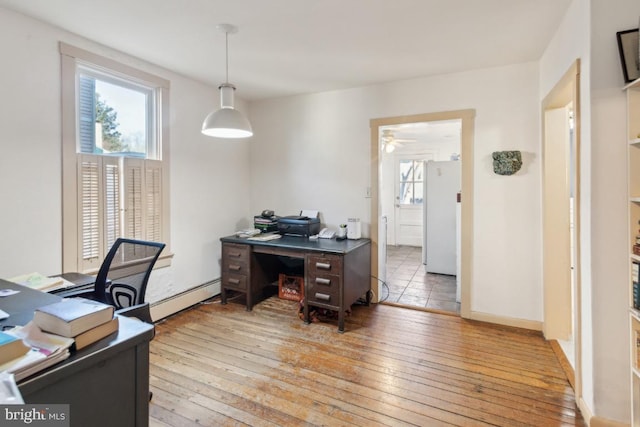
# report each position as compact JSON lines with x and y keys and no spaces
{"x":565,"y":92}
{"x":467,"y":118}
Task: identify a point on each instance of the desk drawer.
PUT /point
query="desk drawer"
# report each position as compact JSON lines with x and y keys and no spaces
{"x":234,"y":266}
{"x":324,"y":288}
{"x":231,"y":251}
{"x":324,"y":264}
{"x":234,"y":281}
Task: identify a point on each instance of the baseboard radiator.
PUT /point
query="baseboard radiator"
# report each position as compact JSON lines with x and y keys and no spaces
{"x":175,"y":303}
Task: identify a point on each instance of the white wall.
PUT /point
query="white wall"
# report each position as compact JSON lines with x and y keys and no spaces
{"x":313,"y":151}
{"x":209,"y":178}
{"x":572,"y":42}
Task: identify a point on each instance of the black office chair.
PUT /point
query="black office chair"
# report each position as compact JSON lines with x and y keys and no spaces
{"x":124,"y":274}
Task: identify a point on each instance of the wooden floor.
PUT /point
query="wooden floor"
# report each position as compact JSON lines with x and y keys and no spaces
{"x":217,"y":365}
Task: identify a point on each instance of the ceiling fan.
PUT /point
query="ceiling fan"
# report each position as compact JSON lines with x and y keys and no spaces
{"x":389,"y":142}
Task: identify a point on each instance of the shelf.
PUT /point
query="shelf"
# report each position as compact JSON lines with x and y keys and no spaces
{"x":635,"y":142}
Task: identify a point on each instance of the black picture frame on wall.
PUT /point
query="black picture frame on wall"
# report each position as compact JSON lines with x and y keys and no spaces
{"x":629,"y":57}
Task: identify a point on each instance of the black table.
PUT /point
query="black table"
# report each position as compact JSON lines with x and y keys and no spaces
{"x":105,"y":383}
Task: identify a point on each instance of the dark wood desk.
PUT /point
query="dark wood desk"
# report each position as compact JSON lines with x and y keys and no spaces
{"x":105,"y":384}
{"x":336,"y":273}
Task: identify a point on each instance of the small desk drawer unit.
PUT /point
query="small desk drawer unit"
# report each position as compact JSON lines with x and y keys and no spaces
{"x":324,"y":280}
{"x":235,"y":268}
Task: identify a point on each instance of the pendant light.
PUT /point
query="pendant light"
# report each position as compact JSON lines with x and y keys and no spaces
{"x":227,"y":122}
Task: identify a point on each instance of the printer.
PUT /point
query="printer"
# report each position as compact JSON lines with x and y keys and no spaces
{"x":299,"y":225}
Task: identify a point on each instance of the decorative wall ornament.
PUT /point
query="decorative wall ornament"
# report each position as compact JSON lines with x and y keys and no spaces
{"x":506,"y":162}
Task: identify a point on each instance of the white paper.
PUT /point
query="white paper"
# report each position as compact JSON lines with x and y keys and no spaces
{"x":9,"y":393}
{"x":310,"y":213}
{"x":8,"y":292}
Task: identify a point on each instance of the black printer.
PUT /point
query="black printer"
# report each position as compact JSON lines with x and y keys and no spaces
{"x":297,"y":225}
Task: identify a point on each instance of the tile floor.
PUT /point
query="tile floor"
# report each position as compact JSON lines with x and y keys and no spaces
{"x":410,"y":285}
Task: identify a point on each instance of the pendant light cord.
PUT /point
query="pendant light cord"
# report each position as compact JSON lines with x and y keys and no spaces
{"x":226,"y":39}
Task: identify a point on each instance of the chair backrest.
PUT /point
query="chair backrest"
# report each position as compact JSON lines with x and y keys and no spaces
{"x":124,"y":273}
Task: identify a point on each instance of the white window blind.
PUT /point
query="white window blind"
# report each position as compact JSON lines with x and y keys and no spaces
{"x":89,"y":204}
{"x":133,"y":196}
{"x":143,"y":196}
{"x":107,"y":185}
{"x":153,"y":192}
{"x":113,"y":213}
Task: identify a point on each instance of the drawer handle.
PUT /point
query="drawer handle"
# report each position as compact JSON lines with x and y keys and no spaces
{"x":235,"y":254}
{"x":234,"y":281}
{"x":234,"y":267}
{"x":323,"y":266}
{"x":323,"y":297}
{"x":322,"y":281}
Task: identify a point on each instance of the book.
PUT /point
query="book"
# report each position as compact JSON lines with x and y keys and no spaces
{"x":96,"y":334}
{"x":72,"y":316}
{"x":38,"y":281}
{"x":265,"y":237}
{"x":11,"y":347}
{"x":44,"y":350}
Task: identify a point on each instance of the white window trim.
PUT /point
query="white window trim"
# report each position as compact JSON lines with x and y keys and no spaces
{"x":71,"y":56}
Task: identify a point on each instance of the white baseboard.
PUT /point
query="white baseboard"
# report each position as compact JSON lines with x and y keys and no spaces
{"x":176,"y":303}
{"x":604,"y":422}
{"x":506,"y":321}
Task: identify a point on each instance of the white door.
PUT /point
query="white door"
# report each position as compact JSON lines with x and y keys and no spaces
{"x":409,"y":193}
{"x":556,"y":222}
{"x":441,"y":200}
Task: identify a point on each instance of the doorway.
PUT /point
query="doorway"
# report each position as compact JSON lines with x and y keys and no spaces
{"x":561,"y":220}
{"x":381,"y":216}
{"x":420,"y":180}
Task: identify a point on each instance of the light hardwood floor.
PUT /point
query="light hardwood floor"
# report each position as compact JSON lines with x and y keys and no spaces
{"x":217,"y":365}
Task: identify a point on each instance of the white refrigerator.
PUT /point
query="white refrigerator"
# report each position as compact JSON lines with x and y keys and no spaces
{"x":440,"y":246}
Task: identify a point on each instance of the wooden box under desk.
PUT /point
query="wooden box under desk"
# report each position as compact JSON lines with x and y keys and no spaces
{"x":336,"y":273}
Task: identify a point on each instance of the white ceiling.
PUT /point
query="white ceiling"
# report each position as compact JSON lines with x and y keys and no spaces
{"x":287,"y":47}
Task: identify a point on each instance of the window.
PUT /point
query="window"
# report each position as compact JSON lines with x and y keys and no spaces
{"x":411,"y":181}
{"x":115,"y":157}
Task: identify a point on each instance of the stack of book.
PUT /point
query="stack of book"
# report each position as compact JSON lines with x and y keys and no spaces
{"x":83,"y":320}
{"x":55,"y":330}
{"x":28,"y":350}
{"x":266,"y":224}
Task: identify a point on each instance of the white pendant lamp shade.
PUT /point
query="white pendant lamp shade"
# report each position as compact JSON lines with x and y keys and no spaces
{"x":227,"y":122}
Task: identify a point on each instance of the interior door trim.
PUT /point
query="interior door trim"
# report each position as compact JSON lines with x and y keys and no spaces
{"x":467,"y":118}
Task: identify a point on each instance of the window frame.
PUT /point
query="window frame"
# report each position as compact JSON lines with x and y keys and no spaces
{"x":413,"y":181}
{"x":73,"y":59}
